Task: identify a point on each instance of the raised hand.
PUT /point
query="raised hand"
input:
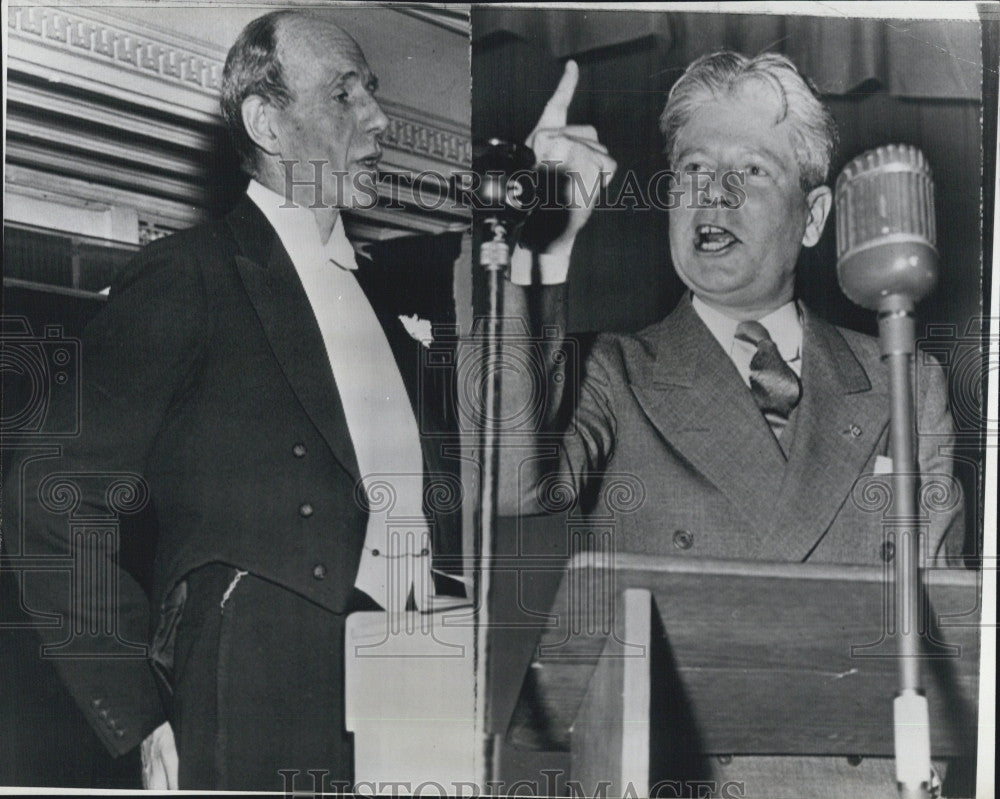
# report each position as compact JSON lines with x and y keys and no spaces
{"x":574,"y":150}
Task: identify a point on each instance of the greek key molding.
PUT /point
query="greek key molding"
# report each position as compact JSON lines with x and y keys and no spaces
{"x":116,"y":45}
{"x":420,"y":139}
{"x":148,"y":53}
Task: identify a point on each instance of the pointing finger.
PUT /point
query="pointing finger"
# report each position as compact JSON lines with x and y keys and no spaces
{"x":592,"y":144}
{"x":546,"y":139}
{"x":554,"y":115}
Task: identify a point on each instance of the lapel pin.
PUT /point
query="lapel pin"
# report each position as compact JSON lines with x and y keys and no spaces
{"x":854,"y":431}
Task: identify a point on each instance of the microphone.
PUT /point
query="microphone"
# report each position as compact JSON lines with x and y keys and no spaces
{"x":887,"y":261}
{"x":502,"y":197}
{"x":886,"y":238}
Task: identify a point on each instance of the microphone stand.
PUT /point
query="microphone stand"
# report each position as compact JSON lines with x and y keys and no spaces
{"x":494,"y":257}
{"x":887,"y":261}
{"x":911,"y":723}
{"x":500,"y":215}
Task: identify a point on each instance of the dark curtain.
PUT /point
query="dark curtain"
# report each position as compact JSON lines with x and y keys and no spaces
{"x":916,"y":58}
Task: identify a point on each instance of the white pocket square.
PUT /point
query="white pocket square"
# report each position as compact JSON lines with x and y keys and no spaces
{"x":418,"y":328}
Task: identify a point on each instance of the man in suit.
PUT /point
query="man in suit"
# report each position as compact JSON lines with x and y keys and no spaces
{"x":253,"y":384}
{"x":753,"y":425}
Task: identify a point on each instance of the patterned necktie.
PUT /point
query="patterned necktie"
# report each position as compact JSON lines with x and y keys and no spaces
{"x":775,"y":387}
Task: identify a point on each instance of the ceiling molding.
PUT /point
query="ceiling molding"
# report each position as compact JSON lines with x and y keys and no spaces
{"x":91,"y":49}
{"x":443,"y":15}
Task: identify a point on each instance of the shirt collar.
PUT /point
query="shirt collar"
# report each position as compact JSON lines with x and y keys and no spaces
{"x":296,"y":227}
{"x":784,"y":325}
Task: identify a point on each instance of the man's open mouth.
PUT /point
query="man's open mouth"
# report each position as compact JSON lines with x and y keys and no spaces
{"x":713,"y":239}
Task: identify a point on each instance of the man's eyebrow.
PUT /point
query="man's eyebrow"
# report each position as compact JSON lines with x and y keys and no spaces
{"x":767,"y":153}
{"x":754,"y":151}
{"x":687,"y":152}
{"x":346,"y":77}
{"x":342,"y":78}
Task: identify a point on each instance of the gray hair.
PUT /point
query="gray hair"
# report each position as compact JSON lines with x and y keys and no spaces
{"x":814,"y":133}
{"x":252,"y":67}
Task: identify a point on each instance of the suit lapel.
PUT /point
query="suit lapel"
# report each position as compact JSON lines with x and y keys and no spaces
{"x":693,"y":394}
{"x":280,"y":301}
{"x":841,"y":419}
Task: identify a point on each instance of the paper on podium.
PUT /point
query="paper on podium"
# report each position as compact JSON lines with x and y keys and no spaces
{"x":410,"y":699}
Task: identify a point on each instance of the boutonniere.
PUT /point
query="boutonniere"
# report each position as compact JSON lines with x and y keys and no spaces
{"x":418,"y":328}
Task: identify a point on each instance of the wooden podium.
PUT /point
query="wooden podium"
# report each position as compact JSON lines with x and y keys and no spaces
{"x":641,"y":668}
{"x":647,"y":664}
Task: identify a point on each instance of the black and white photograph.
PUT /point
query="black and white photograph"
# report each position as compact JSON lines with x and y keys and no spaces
{"x":569,"y":399}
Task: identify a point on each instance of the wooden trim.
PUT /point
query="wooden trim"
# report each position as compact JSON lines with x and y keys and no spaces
{"x":624,"y":562}
{"x":611,"y":733}
{"x":51,"y":288}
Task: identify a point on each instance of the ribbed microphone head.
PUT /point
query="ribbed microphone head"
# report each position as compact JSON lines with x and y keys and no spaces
{"x":886,"y":240}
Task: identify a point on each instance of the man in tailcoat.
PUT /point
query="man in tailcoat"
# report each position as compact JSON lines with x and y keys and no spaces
{"x":250,"y":379}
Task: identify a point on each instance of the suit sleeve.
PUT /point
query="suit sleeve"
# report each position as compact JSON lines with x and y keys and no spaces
{"x":560,"y":426}
{"x":588,"y":442}
{"x":136,"y":356}
{"x":941,"y":496}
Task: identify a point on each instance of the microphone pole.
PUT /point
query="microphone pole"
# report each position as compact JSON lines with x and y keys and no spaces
{"x":501,"y":203}
{"x":887,"y":261}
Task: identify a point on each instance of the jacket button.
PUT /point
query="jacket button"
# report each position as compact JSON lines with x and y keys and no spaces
{"x":888,"y":551}
{"x":305,"y":510}
{"x":96,"y":703}
{"x":854,"y":760}
{"x":683,"y":539}
{"x":119,"y":734}
{"x":103,"y":714}
{"x":725,"y":760}
{"x":319,"y":571}
{"x":299,"y":450}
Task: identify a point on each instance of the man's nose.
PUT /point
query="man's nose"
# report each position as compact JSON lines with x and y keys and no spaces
{"x":719,"y":190}
{"x":375,"y":121}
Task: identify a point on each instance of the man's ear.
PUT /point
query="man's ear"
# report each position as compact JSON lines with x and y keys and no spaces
{"x":818,"y":203}
{"x":257,"y":121}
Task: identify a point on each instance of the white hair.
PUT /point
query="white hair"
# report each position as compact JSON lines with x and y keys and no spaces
{"x":814,"y":133}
